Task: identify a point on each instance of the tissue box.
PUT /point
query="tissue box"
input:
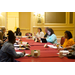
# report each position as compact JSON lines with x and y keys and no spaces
{"x":32,"y":53}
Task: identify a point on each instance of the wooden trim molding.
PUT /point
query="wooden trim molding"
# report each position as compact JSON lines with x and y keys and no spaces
{"x":24,"y":29}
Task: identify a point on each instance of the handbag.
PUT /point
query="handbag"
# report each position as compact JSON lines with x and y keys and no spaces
{"x":71,"y":55}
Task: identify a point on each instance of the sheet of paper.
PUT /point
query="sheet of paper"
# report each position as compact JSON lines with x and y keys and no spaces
{"x":24,"y":36}
{"x":51,"y":46}
{"x":16,"y":48}
{"x":63,"y":54}
{"x":26,"y":54}
{"x":18,"y":52}
{"x":17,"y":45}
{"x":24,"y":43}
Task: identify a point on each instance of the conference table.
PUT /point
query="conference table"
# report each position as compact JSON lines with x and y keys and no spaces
{"x":46,"y":54}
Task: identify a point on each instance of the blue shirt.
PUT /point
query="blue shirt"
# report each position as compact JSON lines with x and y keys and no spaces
{"x":7,"y":53}
{"x":52,"y":39}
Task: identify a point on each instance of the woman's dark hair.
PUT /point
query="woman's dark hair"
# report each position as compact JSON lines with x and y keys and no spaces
{"x":40,"y":29}
{"x":11,"y":36}
{"x":69,"y":34}
{"x":47,"y":28}
{"x":17,"y":30}
{"x":51,"y":30}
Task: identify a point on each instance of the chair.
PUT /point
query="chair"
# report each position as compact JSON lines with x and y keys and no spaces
{"x":27,"y":34}
{"x":62,"y":40}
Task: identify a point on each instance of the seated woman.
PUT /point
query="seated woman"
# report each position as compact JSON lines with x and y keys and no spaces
{"x":7,"y":52}
{"x":39,"y":34}
{"x":51,"y":36}
{"x":46,"y":32}
{"x":3,"y":29}
{"x":17,"y":32}
{"x":68,"y":40}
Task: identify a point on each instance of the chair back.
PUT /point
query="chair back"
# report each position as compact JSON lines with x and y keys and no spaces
{"x":27,"y":34}
{"x":62,"y":40}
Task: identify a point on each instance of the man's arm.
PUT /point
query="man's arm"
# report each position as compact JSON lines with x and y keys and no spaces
{"x":11,"y":51}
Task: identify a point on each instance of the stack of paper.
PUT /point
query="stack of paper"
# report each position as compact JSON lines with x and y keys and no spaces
{"x":64,"y":53}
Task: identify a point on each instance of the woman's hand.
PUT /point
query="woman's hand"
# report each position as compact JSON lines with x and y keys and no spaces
{"x":54,"y":45}
{"x":34,"y":34}
{"x":60,"y":49}
{"x":24,"y":52}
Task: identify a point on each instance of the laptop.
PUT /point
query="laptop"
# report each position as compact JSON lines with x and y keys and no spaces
{"x":43,"y":40}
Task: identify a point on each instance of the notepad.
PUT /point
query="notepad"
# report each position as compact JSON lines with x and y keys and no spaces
{"x":18,"y":52}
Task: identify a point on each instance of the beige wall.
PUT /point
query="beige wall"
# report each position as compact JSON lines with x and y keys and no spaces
{"x":27,"y":21}
{"x":58,"y":28}
{"x":3,"y":20}
{"x":12,"y":20}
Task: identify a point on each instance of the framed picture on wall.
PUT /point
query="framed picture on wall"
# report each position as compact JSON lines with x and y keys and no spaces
{"x":39,"y":20}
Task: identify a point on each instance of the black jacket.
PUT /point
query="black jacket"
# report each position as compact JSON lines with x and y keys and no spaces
{"x":46,"y":35}
{"x":18,"y":34}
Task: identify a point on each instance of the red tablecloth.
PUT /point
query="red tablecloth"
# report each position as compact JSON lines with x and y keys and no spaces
{"x":46,"y":54}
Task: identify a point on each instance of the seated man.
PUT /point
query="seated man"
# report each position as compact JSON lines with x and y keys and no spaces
{"x":7,"y":52}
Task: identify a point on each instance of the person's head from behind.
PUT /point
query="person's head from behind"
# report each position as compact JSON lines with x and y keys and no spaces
{"x":46,"y":29}
{"x":1,"y":36}
{"x":50,"y":31}
{"x":3,"y":29}
{"x":11,"y":37}
{"x":1,"y":43}
{"x":39,"y":30}
{"x":18,"y":30}
{"x":68,"y":34}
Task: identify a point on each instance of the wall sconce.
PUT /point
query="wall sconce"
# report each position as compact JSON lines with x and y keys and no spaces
{"x":39,"y":13}
{"x":35,"y":14}
{"x":39,"y":16}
